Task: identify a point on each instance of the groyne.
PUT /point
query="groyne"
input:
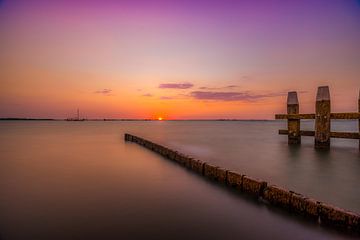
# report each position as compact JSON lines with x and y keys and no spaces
{"x":322,"y":117}
{"x":291,"y":201}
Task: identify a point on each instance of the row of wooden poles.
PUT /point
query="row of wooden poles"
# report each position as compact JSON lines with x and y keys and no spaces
{"x":322,"y":117}
{"x":274,"y":195}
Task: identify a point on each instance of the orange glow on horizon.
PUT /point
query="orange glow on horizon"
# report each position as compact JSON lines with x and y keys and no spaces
{"x":225,"y":72}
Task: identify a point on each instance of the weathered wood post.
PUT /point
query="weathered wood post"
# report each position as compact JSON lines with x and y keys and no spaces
{"x":293,"y":124}
{"x":322,"y":118}
{"x":359,"y":119}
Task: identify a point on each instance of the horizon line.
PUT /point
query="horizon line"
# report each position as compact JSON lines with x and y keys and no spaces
{"x":132,"y":119}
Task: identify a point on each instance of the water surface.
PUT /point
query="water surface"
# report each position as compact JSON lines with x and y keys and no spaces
{"x":80,"y":180}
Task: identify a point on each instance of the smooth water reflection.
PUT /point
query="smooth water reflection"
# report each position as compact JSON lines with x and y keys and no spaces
{"x":254,"y":148}
{"x":80,"y":180}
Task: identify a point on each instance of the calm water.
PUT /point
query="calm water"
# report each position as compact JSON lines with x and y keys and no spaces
{"x":80,"y":180}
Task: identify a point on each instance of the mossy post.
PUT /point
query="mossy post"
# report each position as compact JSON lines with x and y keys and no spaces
{"x":322,"y":118}
{"x":293,"y":124}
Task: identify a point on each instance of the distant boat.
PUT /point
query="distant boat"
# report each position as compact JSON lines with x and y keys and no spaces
{"x":77,"y":118}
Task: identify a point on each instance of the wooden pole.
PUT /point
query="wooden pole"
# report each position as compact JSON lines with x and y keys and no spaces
{"x":294,"y":136}
{"x":359,"y":119}
{"x":322,"y":118}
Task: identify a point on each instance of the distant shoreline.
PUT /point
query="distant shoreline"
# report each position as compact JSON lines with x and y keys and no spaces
{"x":127,"y":119}
{"x":28,"y":119}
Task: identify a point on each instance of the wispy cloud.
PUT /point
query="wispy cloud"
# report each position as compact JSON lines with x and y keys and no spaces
{"x":147,"y":95}
{"x":176,"y":85}
{"x":175,"y":97}
{"x":231,"y":96}
{"x":166,"y":98}
{"x":232,"y":86}
{"x":219,"y":88}
{"x":105,"y":92}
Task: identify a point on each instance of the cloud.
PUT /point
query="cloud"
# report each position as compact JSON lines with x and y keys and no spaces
{"x":231,"y":96}
{"x":175,"y":97}
{"x":232,"y":86}
{"x":166,"y":98}
{"x":219,"y":88}
{"x":176,"y":85}
{"x":105,"y":92}
{"x":147,"y":95}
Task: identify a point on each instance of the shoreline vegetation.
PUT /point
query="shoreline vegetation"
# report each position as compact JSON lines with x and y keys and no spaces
{"x":127,"y":119}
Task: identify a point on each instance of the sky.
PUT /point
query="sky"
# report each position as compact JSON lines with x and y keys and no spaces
{"x":185,"y":59}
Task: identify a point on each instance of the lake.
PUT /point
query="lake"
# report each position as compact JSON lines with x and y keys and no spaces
{"x":80,"y":180}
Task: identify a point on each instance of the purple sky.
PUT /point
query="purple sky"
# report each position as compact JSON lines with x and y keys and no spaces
{"x":96,"y":55}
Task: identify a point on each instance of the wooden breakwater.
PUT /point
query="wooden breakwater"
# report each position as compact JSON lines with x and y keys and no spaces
{"x":322,"y":116}
{"x":310,"y":208}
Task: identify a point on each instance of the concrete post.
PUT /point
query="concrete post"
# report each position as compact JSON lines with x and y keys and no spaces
{"x":322,"y":118}
{"x":293,"y":124}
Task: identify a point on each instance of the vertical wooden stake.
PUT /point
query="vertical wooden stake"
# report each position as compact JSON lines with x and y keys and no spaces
{"x":322,"y":118}
{"x":293,"y":124}
{"x":359,"y":119}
